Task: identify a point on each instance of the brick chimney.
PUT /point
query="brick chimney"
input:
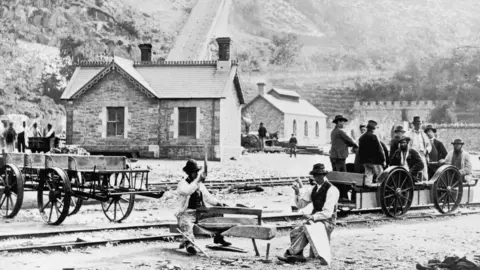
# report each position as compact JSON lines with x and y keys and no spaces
{"x":223,"y":62}
{"x":261,"y":88}
{"x":146,"y":50}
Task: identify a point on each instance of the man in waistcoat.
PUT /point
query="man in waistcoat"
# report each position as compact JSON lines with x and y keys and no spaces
{"x":193,"y":194}
{"x":438,"y":151}
{"x":324,"y":197}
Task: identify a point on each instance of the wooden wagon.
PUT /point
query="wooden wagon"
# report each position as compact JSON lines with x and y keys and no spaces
{"x":63,"y":182}
{"x":396,"y":191}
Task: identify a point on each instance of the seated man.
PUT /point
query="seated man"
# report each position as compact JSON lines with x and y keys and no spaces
{"x":408,"y":158}
{"x":324,"y":197}
{"x":193,"y":194}
{"x":460,"y":159}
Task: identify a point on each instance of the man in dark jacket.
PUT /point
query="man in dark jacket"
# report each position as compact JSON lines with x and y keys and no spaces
{"x":293,"y":145}
{"x":359,"y":168}
{"x":438,"y":151}
{"x":399,"y":132}
{"x":340,"y":143}
{"x":262,"y":133}
{"x":408,"y":158}
{"x":371,"y":153}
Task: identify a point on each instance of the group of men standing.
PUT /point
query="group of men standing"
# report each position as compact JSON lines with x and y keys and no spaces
{"x":419,"y":151}
{"x":10,"y":136}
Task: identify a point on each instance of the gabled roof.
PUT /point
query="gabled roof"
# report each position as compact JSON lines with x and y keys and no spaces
{"x":300,"y":107}
{"x":163,"y":80}
{"x":283,"y":92}
{"x":86,"y":76}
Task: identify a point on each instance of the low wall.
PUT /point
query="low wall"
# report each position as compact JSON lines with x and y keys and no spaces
{"x":469,"y":133}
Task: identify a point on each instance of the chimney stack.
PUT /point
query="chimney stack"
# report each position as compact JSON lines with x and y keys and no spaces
{"x":223,"y":62}
{"x":146,"y":50}
{"x":261,"y":88}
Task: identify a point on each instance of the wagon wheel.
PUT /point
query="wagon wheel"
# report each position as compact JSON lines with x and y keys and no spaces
{"x":54,"y":195}
{"x":76,"y":182}
{"x":396,"y":191}
{"x":11,"y":191}
{"x":118,"y":206}
{"x":447,"y":189}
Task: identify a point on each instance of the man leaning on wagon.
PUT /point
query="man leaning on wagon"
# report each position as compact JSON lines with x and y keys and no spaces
{"x":460,"y":159}
{"x":371,"y":153}
{"x":324,"y":197}
{"x":420,"y":143}
{"x":192,"y":195}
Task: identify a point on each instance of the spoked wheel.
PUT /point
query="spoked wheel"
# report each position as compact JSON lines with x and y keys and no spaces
{"x":447,"y":189}
{"x":11,"y":191}
{"x":118,"y":206}
{"x":54,"y":195}
{"x":77,"y":185}
{"x":396,"y":191}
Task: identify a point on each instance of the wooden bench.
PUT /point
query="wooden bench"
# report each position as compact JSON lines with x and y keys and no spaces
{"x":346,"y":178}
{"x":235,"y":226}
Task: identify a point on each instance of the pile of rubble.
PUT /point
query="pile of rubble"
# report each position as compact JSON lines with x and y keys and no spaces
{"x":70,"y":149}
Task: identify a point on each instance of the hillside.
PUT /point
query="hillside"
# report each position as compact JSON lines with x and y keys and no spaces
{"x":342,"y":43}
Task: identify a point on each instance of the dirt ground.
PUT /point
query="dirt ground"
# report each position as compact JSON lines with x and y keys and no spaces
{"x":398,"y":245}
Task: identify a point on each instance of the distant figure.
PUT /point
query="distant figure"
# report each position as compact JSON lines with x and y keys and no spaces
{"x":359,"y":168}
{"x":371,"y":153}
{"x":293,"y":145}
{"x":50,"y":136}
{"x":10,"y":136}
{"x":420,"y":143}
{"x":460,"y":159}
{"x":35,"y":131}
{"x":22,"y":133}
{"x":262,"y":133}
{"x":407,"y":158}
{"x":399,"y":132}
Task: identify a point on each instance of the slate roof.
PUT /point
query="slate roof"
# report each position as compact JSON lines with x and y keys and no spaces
{"x":302,"y":107}
{"x":163,"y":80}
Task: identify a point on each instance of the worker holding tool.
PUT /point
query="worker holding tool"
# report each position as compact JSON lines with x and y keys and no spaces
{"x":324,"y":197}
{"x":193,"y":194}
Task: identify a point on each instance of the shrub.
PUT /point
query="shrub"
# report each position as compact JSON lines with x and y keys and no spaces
{"x":2,"y":110}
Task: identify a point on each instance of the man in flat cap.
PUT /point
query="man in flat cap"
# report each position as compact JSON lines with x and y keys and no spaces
{"x":420,"y":142}
{"x":371,"y":153}
{"x":324,"y":197}
{"x":193,"y":194}
{"x":407,"y":157}
{"x":460,"y":159}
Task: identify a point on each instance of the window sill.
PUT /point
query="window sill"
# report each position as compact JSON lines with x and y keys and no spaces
{"x":115,"y":138}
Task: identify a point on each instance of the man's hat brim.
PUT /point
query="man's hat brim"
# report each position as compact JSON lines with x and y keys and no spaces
{"x":318,"y":172}
{"x":190,"y":170}
{"x":340,"y":119}
{"x":430,"y":128}
{"x":399,"y":130}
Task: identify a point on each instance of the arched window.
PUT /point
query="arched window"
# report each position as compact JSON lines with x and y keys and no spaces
{"x":294,"y":127}
{"x":317,"y":129}
{"x":306,"y":129}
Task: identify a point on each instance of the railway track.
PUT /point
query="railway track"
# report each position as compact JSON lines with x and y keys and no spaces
{"x":286,"y":220}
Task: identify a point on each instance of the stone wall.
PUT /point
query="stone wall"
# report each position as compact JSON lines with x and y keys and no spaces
{"x":208,"y":124}
{"x":467,"y":132}
{"x":230,"y":124}
{"x":87,"y":117}
{"x":262,"y":111}
{"x":311,"y":138}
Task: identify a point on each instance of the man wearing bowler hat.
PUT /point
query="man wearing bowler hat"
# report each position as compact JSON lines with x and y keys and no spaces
{"x":438,"y":150}
{"x":407,"y":158}
{"x":371,"y":153}
{"x":420,"y":142}
{"x":324,"y":197}
{"x":193,"y":194}
{"x":460,"y":159}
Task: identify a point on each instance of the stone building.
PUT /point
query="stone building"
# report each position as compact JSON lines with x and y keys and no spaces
{"x":166,"y":109}
{"x":285,"y":112}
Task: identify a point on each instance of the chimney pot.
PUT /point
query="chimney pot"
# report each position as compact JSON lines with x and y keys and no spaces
{"x":223,"y":48}
{"x":146,"y":55}
{"x":261,"y":88}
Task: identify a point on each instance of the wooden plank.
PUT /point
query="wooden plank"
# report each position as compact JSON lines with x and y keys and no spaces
{"x":318,"y":239}
{"x":57,"y":160}
{"x":345,"y":177}
{"x":230,"y":210}
{"x":15,"y":158}
{"x":115,"y":162}
{"x":252,"y":231}
{"x":86,"y":163}
{"x":232,"y":220}
{"x":35,"y":160}
{"x":224,"y":248}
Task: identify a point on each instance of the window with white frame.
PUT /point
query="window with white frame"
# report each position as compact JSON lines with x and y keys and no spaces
{"x":115,"y":121}
{"x":187,"y":122}
{"x":306,"y":129}
{"x":317,"y":129}
{"x":294,"y":127}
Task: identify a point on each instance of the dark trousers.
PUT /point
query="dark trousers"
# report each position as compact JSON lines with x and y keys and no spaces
{"x":293,"y":150}
{"x":21,"y":142}
{"x":338,"y":165}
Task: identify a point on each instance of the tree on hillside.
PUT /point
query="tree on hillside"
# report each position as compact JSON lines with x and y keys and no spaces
{"x":285,"y":49}
{"x":442,"y":115}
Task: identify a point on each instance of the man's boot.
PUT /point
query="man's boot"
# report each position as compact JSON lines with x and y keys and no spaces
{"x":191,"y":248}
{"x":218,"y":239}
